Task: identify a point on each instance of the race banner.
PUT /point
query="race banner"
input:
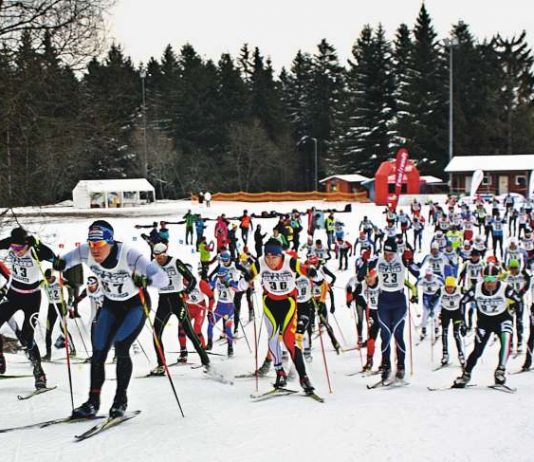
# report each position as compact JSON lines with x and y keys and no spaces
{"x":400,"y":169}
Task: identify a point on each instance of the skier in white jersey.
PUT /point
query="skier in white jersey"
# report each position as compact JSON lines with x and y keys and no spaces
{"x":24,"y":292}
{"x":392,"y":308}
{"x":493,"y":316}
{"x":278,"y":273}
{"x":122,"y":272}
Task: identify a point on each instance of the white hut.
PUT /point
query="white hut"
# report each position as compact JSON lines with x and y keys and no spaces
{"x":90,"y":194}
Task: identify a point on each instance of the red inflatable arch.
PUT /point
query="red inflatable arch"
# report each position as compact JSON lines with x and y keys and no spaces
{"x":385,"y":181}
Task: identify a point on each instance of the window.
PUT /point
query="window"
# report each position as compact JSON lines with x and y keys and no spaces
{"x":486,"y":181}
{"x":521,"y":180}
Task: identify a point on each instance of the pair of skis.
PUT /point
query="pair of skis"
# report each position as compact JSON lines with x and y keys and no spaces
{"x":98,"y":428}
{"x":388,"y":384}
{"x":497,"y":387}
{"x":277,"y":392}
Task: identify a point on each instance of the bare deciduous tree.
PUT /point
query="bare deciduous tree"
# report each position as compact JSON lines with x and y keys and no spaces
{"x":76,"y":26}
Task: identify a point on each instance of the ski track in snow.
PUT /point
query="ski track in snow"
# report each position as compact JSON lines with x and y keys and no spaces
{"x":222,"y":423}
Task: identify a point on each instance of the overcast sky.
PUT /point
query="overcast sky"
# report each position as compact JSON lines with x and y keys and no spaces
{"x":281,"y":27}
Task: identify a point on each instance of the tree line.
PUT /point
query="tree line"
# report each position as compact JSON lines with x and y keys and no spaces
{"x":194,"y":124}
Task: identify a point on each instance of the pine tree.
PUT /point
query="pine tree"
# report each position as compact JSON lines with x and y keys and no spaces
{"x":401,"y":59}
{"x":325,"y":99}
{"x":366,"y":131}
{"x":426,"y":134}
{"x":516,"y":62}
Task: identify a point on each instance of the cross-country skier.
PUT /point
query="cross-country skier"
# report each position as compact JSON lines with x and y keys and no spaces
{"x":122,"y":273}
{"x":24,"y":291}
{"x":450,"y":312}
{"x":491,"y":297}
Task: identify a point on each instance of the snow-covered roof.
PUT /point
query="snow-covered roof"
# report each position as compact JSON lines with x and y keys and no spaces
{"x":429,"y":179}
{"x":129,"y":184}
{"x":510,"y":162}
{"x":353,"y":178}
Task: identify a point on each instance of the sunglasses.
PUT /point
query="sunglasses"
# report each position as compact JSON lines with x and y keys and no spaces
{"x":17,"y":247}
{"x":97,"y":244}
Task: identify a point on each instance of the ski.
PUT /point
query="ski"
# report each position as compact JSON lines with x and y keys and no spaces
{"x":250,"y":375}
{"x":15,"y":376}
{"x":275,"y":392}
{"x":503,"y":388}
{"x":48,"y":423}
{"x":390,"y":384}
{"x":363,"y":373}
{"x":36,"y":392}
{"x":450,"y":387}
{"x":108,"y":423}
{"x":181,"y":363}
{"x":314,"y":396}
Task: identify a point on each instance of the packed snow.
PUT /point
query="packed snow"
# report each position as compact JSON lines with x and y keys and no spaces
{"x":222,"y":423}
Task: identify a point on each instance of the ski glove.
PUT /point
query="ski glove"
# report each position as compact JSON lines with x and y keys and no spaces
{"x":58,"y":264}
{"x":463,"y":329}
{"x":333,"y":309}
{"x":413,"y":299}
{"x":141,"y":281}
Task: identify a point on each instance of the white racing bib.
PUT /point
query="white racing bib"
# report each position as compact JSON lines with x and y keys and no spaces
{"x":25,"y":269}
{"x":116,"y":283}
{"x":491,"y":305}
{"x":277,"y":282}
{"x":176,"y":280}
{"x":304,"y":289}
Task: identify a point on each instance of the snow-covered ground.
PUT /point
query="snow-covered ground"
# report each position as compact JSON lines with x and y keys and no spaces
{"x":223,"y":424}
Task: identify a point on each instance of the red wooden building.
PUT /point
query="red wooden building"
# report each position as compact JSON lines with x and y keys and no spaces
{"x":502,"y":174}
{"x":344,"y":183}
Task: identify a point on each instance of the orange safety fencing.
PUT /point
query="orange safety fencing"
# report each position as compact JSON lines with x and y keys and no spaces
{"x":288,"y":196}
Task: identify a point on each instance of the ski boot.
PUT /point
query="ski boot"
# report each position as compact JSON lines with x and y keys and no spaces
{"x":230,"y":350}
{"x":264,"y":368}
{"x":40,"y":377}
{"x":2,"y":363}
{"x":401,"y":372}
{"x":159,"y":370}
{"x":368,"y":365}
{"x":72,"y":353}
{"x":281,"y":379}
{"x":209,"y":345}
{"x":307,"y":355}
{"x":87,"y":410}
{"x":183,"y":356}
{"x":462,"y":381}
{"x":306,"y":385}
{"x":118,"y":408}
{"x":528,"y":363}
{"x":500,"y":376}
{"x":445,"y":359}
{"x":47,"y":357}
{"x":423,"y":334}
{"x":386,"y":371}
{"x":337,"y":347}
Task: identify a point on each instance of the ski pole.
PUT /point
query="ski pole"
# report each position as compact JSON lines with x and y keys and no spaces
{"x":356,"y":325}
{"x":159,"y":349}
{"x":81,"y":337}
{"x":245,"y":335}
{"x":324,"y":359}
{"x":339,"y":329}
{"x":256,"y":373}
{"x":410,"y":326}
{"x":62,"y":321}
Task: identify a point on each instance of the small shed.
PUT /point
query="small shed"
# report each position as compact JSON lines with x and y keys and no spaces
{"x":131,"y":192}
{"x":385,"y":181}
{"x":351,"y":183}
